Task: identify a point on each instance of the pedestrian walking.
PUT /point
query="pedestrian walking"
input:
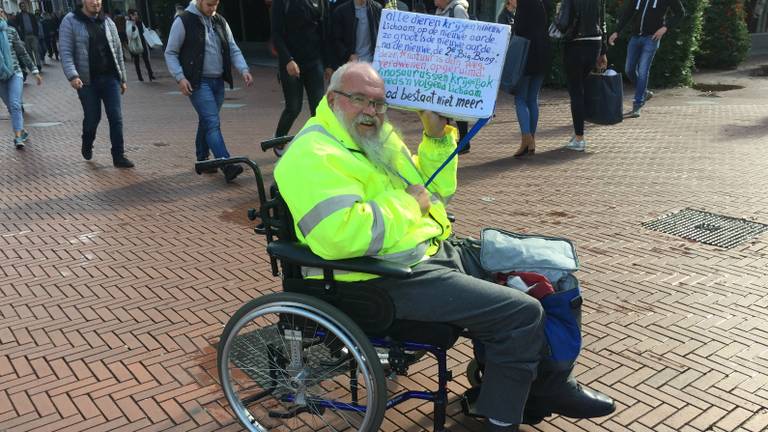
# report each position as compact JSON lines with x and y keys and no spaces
{"x":456,"y":9}
{"x":531,"y":23}
{"x":51,"y":31}
{"x":12,"y":53}
{"x":582,"y":24}
{"x":134,"y":29}
{"x":200,"y":55}
{"x":28,"y":28}
{"x":301,"y":37}
{"x":355,"y":27}
{"x":92,"y":59}
{"x":650,"y":22}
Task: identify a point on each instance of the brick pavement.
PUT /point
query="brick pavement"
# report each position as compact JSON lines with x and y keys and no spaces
{"x":116,"y":284}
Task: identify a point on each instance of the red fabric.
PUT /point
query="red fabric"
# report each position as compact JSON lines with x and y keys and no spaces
{"x":538,"y":285}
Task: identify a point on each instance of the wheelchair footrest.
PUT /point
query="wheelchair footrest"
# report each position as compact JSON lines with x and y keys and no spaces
{"x":468,"y":400}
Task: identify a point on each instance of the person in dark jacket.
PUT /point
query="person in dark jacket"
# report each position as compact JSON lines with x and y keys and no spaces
{"x":582,"y":23}
{"x":51,"y":31}
{"x":530,"y":22}
{"x":200,"y":55}
{"x":134,"y":28}
{"x":355,"y":25}
{"x":28,"y":27}
{"x":301,"y":35}
{"x":649,"y":26}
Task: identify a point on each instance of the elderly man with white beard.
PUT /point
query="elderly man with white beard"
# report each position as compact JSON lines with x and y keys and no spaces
{"x":354,"y":189}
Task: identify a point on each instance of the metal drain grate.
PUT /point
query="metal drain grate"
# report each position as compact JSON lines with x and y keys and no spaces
{"x":708,"y":228}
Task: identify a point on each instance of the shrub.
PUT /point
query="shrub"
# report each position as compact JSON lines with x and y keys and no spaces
{"x":725,"y":40}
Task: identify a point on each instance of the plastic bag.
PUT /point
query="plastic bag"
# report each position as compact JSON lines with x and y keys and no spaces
{"x":153,"y":40}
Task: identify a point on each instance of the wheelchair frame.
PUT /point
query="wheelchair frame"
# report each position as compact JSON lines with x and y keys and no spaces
{"x":277,"y":226}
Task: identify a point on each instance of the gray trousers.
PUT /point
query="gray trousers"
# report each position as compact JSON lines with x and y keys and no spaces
{"x":33,"y":49}
{"x":451,"y":287}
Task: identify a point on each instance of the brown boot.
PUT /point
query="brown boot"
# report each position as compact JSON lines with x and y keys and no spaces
{"x":524,"y":146}
{"x":532,"y":145}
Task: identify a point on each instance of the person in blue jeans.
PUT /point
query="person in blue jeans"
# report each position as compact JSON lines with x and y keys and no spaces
{"x":92,"y":59}
{"x":650,"y":23}
{"x":200,"y":55}
{"x":12,"y":54}
{"x":530,"y":22}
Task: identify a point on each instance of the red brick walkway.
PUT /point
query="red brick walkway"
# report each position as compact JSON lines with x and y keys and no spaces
{"x":115,"y":284}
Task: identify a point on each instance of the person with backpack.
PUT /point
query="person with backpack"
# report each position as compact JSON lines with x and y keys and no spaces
{"x":12,"y":53}
{"x":137,"y":45}
{"x":456,"y":9}
{"x":301,"y":37}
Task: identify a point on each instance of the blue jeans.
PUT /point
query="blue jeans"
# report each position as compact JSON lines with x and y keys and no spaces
{"x":207,"y":100}
{"x":106,"y":89}
{"x":640,"y":52}
{"x":10,"y":92}
{"x":527,"y":102}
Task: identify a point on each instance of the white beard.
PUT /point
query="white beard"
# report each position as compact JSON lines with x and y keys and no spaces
{"x":372,"y":144}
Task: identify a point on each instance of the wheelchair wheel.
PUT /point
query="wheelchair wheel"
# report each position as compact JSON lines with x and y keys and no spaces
{"x":291,"y":362}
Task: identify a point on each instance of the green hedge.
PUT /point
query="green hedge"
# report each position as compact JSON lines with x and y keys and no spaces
{"x":725,"y":41}
{"x":674,"y":60}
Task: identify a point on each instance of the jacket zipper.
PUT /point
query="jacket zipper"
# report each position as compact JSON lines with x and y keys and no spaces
{"x":642,"y":20}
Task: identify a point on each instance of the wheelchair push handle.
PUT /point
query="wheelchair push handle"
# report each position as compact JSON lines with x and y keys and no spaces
{"x":274,"y":142}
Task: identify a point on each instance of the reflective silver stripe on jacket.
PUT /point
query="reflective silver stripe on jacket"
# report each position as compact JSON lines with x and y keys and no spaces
{"x":325,"y":208}
{"x":328,"y":206}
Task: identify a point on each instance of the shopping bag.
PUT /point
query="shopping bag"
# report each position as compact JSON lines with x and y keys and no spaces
{"x":514,"y":62}
{"x":153,"y":40}
{"x":604,"y":98}
{"x":134,"y":44}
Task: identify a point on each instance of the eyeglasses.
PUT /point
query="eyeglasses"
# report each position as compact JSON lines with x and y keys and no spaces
{"x":361,"y":101}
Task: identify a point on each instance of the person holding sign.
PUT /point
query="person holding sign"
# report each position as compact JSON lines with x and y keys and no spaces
{"x":354,"y":189}
{"x":582,"y":22}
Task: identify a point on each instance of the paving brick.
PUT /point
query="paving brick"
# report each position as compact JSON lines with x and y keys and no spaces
{"x":114,"y":284}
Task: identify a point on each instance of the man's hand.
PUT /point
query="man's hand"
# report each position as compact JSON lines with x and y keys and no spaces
{"x":352,"y":58}
{"x":659,"y":33}
{"x":612,"y":38}
{"x":293,"y":69}
{"x":123,"y":88}
{"x":421,"y":195}
{"x":39,"y":79}
{"x":76,"y":83}
{"x":248,"y":78}
{"x":185,"y":87}
{"x":434,"y":124}
{"x":327,"y":74}
{"x":602,"y":62}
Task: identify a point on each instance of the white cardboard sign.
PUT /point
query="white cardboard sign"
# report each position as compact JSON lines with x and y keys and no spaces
{"x":448,"y":65}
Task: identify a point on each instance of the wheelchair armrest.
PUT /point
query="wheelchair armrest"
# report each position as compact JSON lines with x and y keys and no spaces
{"x":303,"y":256}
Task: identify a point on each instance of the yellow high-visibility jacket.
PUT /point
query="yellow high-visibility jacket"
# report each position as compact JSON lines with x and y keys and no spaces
{"x":343,"y":206}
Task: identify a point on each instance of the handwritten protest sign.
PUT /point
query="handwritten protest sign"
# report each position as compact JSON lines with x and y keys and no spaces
{"x":447,"y":65}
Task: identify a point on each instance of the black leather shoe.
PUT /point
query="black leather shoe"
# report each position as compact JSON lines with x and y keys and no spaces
{"x":122,"y":162}
{"x":231,"y":172}
{"x":209,"y":170}
{"x":490,"y":427}
{"x":465,"y":150}
{"x":576,"y":402}
{"x":86,"y":151}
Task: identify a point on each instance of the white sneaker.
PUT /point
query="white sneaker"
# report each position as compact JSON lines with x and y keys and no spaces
{"x":577,"y":145}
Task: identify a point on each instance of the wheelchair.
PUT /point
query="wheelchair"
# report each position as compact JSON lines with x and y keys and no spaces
{"x":317,"y":356}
